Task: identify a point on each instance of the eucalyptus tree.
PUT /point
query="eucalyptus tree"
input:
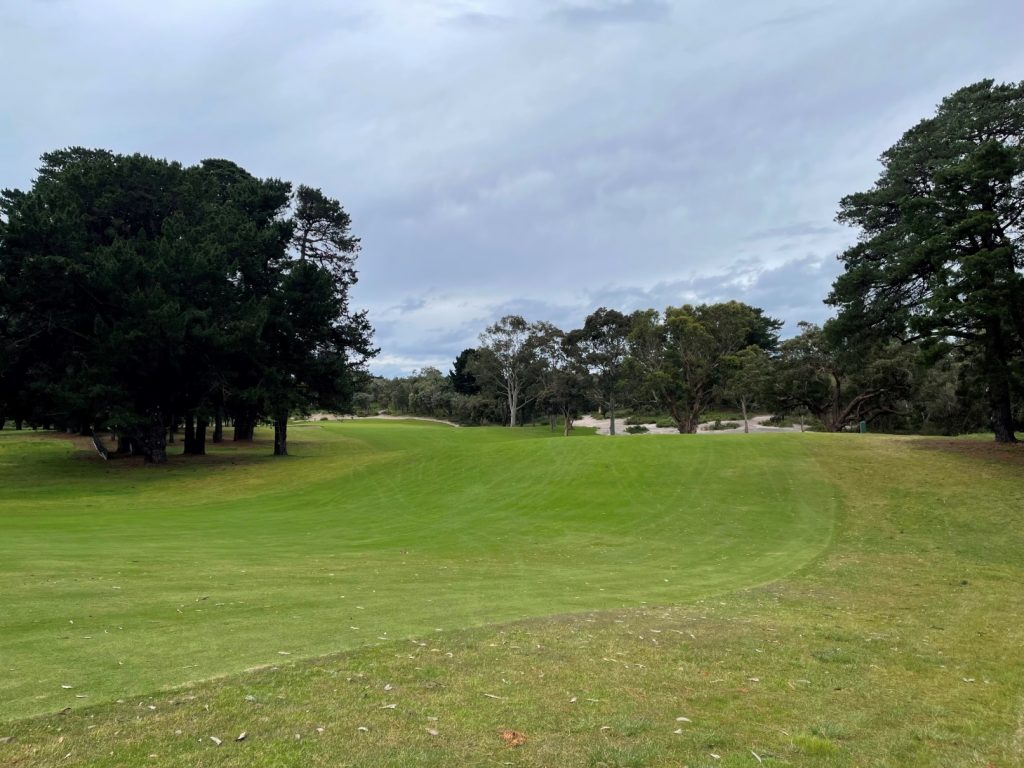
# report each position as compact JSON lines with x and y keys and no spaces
{"x":682,"y":357}
{"x":509,"y":360}
{"x":840,"y":381}
{"x":747,"y":379}
{"x":603,"y":349}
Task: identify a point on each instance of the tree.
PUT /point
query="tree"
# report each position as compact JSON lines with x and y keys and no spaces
{"x":461,"y":374}
{"x":565,"y":380}
{"x":838,"y":380}
{"x":322,"y":233}
{"x":603,"y":346}
{"x":941,"y":246}
{"x":747,"y":378}
{"x":508,"y":359}
{"x":136,"y":294}
{"x":683,"y":357}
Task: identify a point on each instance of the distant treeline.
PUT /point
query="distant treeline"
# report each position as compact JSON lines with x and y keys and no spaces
{"x":686,"y":362}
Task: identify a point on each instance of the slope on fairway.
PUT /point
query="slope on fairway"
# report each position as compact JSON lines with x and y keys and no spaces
{"x":120,"y":579}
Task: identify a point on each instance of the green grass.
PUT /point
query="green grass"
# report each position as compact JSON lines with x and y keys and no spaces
{"x":831,"y":600}
{"x":120,"y":580}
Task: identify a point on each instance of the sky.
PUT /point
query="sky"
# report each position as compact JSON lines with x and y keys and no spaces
{"x":537,"y":157}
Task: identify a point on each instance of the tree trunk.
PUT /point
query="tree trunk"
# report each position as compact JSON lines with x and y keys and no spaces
{"x":153,"y":441}
{"x":1002,"y":406}
{"x":190,"y":434}
{"x":513,"y":408}
{"x":218,"y":425}
{"x":195,"y":444}
{"x":101,"y":449}
{"x":18,"y":423}
{"x":552,"y":421}
{"x":201,"y":425}
{"x":172,"y":428}
{"x":245,"y":425}
{"x":281,"y":435}
{"x":124,"y":445}
{"x":746,"y":424}
{"x":611,"y":420}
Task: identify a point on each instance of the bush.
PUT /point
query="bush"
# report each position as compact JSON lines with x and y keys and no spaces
{"x":637,"y":429}
{"x":718,"y":425}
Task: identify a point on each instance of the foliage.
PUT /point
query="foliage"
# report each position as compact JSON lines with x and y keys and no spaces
{"x":682,"y":359}
{"x":603,"y":351}
{"x":838,"y":382}
{"x":136,"y":292}
{"x":509,"y":361}
{"x":941,"y":253}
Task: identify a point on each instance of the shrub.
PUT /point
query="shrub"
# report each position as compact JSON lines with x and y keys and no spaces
{"x":637,"y":429}
{"x":720,"y":425}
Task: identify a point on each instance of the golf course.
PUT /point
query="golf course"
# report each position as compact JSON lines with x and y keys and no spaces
{"x":406,"y":592}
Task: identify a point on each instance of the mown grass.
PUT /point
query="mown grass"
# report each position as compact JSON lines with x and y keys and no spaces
{"x":120,"y":579}
{"x":900,"y":643}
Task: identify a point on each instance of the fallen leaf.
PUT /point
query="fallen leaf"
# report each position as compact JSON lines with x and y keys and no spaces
{"x":678,"y":731}
{"x":388,"y":687}
{"x":363,"y":728}
{"x":683,"y":720}
{"x":389,"y":706}
{"x":757,"y":756}
{"x":67,"y":687}
{"x":433,"y":732}
{"x":513,"y":738}
{"x":491,"y":696}
{"x":242,"y":736}
{"x":215,"y":740}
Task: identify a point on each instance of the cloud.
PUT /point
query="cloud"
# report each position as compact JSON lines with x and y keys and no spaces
{"x":612,"y":12}
{"x":519,"y":155}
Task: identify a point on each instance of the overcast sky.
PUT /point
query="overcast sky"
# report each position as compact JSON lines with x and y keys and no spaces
{"x":543,"y":157}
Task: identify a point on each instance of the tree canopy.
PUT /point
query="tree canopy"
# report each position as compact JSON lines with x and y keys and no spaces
{"x":135,"y":292}
{"x":941,"y":246}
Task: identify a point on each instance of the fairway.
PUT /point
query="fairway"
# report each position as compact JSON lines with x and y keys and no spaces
{"x":121,"y":580}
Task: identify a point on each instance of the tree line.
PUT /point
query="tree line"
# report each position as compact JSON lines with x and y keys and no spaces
{"x":928,"y":334}
{"x":678,"y":365}
{"x":142,"y":297}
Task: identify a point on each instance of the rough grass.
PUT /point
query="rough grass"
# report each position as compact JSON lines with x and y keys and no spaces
{"x":900,"y":644}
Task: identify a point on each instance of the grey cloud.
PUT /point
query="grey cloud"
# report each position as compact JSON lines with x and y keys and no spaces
{"x":612,"y":12}
{"x":495,"y":158}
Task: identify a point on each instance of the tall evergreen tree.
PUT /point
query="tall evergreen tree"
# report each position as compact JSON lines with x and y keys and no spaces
{"x":941,"y":252}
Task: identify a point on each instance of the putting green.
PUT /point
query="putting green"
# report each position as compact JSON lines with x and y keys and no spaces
{"x":118,"y":579}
